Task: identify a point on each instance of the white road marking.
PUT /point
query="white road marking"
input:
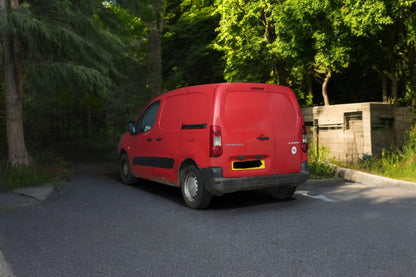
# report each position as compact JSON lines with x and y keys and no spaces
{"x":319,"y":197}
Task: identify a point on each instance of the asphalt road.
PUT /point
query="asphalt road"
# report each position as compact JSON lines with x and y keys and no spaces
{"x":100,"y":227}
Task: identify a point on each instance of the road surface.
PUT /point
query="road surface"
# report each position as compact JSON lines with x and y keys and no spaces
{"x":100,"y":227}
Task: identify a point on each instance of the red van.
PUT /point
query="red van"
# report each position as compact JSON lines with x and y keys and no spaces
{"x":219,"y":138}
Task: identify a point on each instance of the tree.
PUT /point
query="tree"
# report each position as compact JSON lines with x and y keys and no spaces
{"x":328,"y":29}
{"x":56,"y":45}
{"x":152,"y":13}
{"x":245,"y":33}
{"x":13,"y":83}
{"x":396,"y":48}
{"x":291,"y":41}
{"x":188,"y":58}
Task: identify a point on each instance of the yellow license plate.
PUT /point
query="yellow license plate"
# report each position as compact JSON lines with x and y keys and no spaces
{"x":247,"y":165}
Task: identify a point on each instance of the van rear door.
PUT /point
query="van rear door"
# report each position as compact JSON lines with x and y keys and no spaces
{"x":287,"y":126}
{"x":261,"y":131}
{"x":247,"y":133}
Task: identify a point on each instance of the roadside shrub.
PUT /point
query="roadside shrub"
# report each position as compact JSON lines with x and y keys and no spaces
{"x":47,"y":169}
{"x":398,"y":163}
{"x":25,"y":176}
{"x":318,"y":163}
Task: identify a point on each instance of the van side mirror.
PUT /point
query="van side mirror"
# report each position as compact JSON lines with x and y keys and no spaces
{"x":132,"y":128}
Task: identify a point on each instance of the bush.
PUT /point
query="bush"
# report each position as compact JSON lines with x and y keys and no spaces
{"x":48,"y":169}
{"x":25,"y":176}
{"x":398,"y":163}
{"x":318,"y":164}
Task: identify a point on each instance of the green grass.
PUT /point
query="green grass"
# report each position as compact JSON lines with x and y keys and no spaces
{"x":52,"y":164}
{"x":396,"y":163}
{"x":318,"y":165}
{"x":48,"y":168}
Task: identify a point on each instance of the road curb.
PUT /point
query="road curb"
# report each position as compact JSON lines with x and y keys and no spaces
{"x":26,"y":197}
{"x":5,"y":270}
{"x":369,"y":179}
{"x":40,"y":193}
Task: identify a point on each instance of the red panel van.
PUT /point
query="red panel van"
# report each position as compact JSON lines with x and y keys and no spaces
{"x":219,"y":138}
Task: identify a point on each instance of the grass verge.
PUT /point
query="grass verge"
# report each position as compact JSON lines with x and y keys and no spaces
{"x":318,"y":166}
{"x":48,"y":168}
{"x":395,"y":163}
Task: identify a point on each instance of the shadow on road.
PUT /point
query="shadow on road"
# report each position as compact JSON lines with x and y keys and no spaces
{"x":227,"y":201}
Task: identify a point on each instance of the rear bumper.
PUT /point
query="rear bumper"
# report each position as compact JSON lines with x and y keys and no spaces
{"x":216,"y":184}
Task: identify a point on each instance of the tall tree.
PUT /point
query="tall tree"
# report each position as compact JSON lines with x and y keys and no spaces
{"x":188,"y":58}
{"x":396,"y":48}
{"x":13,"y":84}
{"x":56,"y":45}
{"x":152,"y":13}
{"x":245,"y":34}
{"x":328,"y":29}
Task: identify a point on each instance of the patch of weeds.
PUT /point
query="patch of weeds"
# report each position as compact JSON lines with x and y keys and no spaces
{"x":25,"y":176}
{"x":318,"y":165}
{"x":47,"y":169}
{"x":396,"y":163}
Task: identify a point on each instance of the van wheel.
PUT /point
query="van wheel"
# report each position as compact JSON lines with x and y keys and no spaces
{"x":282,"y":193}
{"x":193,"y":190}
{"x":125,"y":171}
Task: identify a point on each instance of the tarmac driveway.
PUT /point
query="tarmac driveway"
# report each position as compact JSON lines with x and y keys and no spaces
{"x":100,"y":227}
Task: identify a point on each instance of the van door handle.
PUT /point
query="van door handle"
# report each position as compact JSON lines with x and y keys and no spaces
{"x":158,"y":139}
{"x":263,"y":138}
{"x":149,"y":139}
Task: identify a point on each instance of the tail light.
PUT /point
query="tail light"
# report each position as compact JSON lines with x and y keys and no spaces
{"x":304,"y":140}
{"x":215,"y":147}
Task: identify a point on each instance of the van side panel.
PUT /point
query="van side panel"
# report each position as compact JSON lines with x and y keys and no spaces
{"x":194,"y":134}
{"x":183,"y":133}
{"x":166,"y":142}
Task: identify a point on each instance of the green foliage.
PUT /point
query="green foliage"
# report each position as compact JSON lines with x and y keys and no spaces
{"x":244,"y":36}
{"x":24,"y":177}
{"x":318,"y":163}
{"x":86,"y":62}
{"x":288,"y":42}
{"x":61,"y":39}
{"x":396,"y":163}
{"x":189,"y":30}
{"x":49,"y":169}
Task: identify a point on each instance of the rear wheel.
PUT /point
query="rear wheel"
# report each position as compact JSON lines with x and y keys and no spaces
{"x":125,"y":171}
{"x":282,"y":193}
{"x":193,"y":189}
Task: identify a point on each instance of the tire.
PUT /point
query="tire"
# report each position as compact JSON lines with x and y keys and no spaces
{"x":125,"y":171}
{"x":282,"y":193}
{"x":193,"y":189}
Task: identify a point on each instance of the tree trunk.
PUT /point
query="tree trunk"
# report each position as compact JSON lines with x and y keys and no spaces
{"x":18,"y":155}
{"x":309,"y":96}
{"x":384,"y":88}
{"x":394,"y":80}
{"x":154,"y":58}
{"x":412,"y":69}
{"x":325,"y":88}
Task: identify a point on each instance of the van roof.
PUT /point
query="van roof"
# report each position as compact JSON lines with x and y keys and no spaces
{"x":210,"y":88}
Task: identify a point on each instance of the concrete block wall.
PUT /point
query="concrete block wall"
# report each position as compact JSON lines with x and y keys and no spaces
{"x":356,"y":131}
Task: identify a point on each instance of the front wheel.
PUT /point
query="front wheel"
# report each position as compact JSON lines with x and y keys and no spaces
{"x":193,"y":189}
{"x":282,"y":193}
{"x":125,"y":171}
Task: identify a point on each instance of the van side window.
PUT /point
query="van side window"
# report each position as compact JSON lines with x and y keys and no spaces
{"x":147,"y":120}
